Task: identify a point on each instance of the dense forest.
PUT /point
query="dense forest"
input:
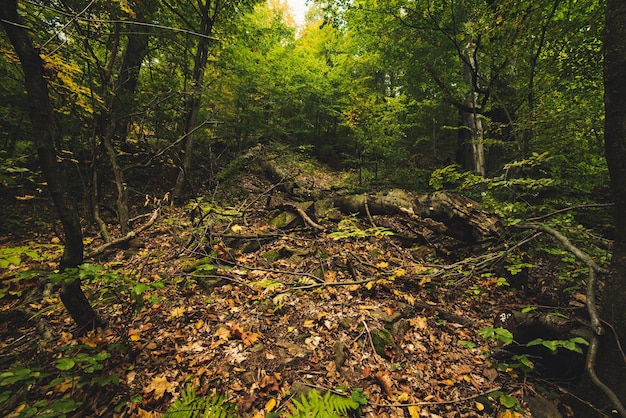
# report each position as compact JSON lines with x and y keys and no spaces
{"x":398,"y":208}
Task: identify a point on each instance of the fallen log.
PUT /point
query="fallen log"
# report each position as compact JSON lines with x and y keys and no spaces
{"x":453,"y":215}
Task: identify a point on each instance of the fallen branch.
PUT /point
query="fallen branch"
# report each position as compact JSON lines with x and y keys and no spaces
{"x":468,"y":398}
{"x":121,"y":240}
{"x":307,"y":220}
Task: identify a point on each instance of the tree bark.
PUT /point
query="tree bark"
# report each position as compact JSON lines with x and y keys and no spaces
{"x":473,"y":119}
{"x":44,"y":134}
{"x":611,"y":365}
{"x":193,"y":104}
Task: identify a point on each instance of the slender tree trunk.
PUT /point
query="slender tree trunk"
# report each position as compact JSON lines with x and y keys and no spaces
{"x":193,"y":104}
{"x":44,"y":134}
{"x":611,"y":365}
{"x":473,"y":120}
{"x":134,"y":54}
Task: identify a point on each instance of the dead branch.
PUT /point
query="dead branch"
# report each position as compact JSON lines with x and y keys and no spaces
{"x":306,"y":218}
{"x":121,"y":240}
{"x":570,"y":208}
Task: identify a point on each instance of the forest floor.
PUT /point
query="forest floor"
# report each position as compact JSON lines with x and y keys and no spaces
{"x":213,"y":298}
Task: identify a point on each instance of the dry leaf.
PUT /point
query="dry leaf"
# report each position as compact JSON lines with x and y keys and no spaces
{"x":385,"y":383}
{"x":159,"y":385}
{"x":223,"y":333}
{"x":490,"y":374}
{"x":177,"y":312}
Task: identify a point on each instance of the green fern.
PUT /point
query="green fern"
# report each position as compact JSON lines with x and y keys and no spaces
{"x":330,"y":405}
{"x":191,"y":406}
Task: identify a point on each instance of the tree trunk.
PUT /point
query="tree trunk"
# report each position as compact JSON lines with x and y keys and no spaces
{"x":193,"y":104}
{"x":44,"y":133}
{"x":473,"y":120}
{"x":611,"y":366}
{"x":134,"y":54}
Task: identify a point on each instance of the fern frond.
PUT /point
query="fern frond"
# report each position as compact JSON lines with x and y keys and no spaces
{"x":191,"y":406}
{"x":331,"y":405}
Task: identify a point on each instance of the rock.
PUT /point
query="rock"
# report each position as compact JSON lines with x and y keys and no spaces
{"x":542,"y":408}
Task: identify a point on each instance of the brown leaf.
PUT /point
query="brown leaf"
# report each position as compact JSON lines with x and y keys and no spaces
{"x":384,"y":381}
{"x":159,"y":385}
{"x":490,"y":374}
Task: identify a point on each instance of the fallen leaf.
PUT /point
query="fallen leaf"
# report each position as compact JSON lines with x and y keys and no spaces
{"x":490,"y":374}
{"x":414,"y":411}
{"x":159,"y":385}
{"x":384,"y":381}
{"x":177,"y":312}
{"x":270,"y":405}
{"x":223,"y":333}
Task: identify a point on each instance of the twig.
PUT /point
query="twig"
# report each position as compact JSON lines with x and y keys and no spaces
{"x":367,"y":211}
{"x":469,"y":398}
{"x":567,"y":244}
{"x":556,"y":212}
{"x":619,"y":345}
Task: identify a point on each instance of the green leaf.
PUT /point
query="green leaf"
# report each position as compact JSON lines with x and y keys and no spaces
{"x":65,"y":363}
{"x":508,"y":401}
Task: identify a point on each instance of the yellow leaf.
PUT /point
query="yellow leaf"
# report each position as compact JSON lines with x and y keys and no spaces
{"x":236,"y":228}
{"x":308,"y":323}
{"x":424,"y":280}
{"x":414,"y":411}
{"x":270,"y":405}
{"x":134,"y":337}
{"x":199,"y":324}
{"x":382,"y":265}
{"x":448,"y":382}
{"x":177,"y":312}
{"x":400,"y":273}
{"x":369,"y":285}
{"x":25,"y":197}
{"x":479,"y":406}
{"x":403,"y":397}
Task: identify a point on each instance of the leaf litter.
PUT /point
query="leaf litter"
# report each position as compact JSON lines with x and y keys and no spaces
{"x":298,"y":310}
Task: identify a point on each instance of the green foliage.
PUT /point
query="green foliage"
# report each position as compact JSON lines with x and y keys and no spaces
{"x":331,"y":405}
{"x":573,"y":344}
{"x":348,"y":228}
{"x":191,"y":406}
{"x":497,"y":334}
{"x":13,"y":255}
{"x":453,"y":177}
{"x":110,"y":283}
{"x":506,"y":400}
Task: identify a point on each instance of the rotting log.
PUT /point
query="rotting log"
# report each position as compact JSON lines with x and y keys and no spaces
{"x":451,"y":214}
